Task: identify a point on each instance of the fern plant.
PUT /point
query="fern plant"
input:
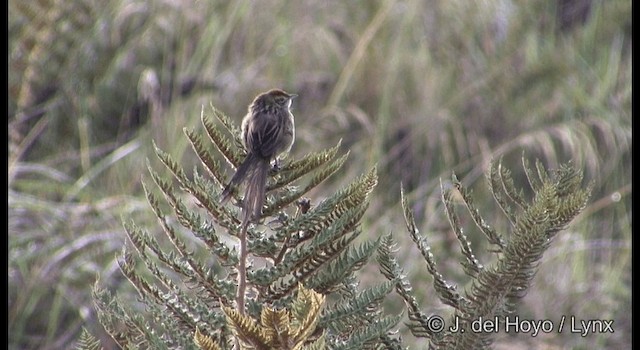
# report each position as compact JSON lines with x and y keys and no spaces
{"x":494,"y":288}
{"x":300,"y":254}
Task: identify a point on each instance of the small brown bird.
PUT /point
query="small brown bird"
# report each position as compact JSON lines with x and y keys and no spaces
{"x":267,"y":131}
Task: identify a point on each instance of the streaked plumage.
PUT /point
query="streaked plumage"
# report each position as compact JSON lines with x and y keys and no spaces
{"x":267,"y":131}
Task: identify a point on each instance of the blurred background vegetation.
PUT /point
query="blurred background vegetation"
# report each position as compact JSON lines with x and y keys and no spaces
{"x":420,"y":88}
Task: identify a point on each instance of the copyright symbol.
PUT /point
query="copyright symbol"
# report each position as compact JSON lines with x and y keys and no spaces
{"x":435,"y":324}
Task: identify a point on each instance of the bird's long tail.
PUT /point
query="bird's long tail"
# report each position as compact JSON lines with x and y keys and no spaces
{"x":255,"y":193}
{"x":241,"y":173}
{"x":256,"y":174}
{"x":254,"y":171}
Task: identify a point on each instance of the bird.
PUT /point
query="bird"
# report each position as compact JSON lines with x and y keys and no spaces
{"x":268,"y":130}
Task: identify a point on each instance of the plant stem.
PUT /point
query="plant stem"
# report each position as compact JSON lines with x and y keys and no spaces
{"x":242,"y":266}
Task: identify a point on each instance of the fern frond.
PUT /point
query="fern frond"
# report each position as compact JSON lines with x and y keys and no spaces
{"x":128,"y":329}
{"x":178,"y":310}
{"x":497,"y":190}
{"x":317,"y":178}
{"x":233,"y":154}
{"x":329,"y":210}
{"x":542,"y":172}
{"x":348,"y":311}
{"x":213,"y":166}
{"x":228,"y":124}
{"x":447,"y":293}
{"x":471,"y":265}
{"x":296,"y":169}
{"x":87,"y":341}
{"x":363,"y":336}
{"x":221,"y":214}
{"x":329,"y":219}
{"x":280,"y":329}
{"x":318,"y":344}
{"x":188,"y":219}
{"x":304,"y":261}
{"x":350,"y":260}
{"x":510,"y":277}
{"x":205,"y":342}
{"x":534,"y":181}
{"x":248,"y":330}
{"x":277,"y":325}
{"x":391,"y":269}
{"x":516,"y":196}
{"x":185,"y":264}
{"x":493,"y":237}
{"x":306,"y":311}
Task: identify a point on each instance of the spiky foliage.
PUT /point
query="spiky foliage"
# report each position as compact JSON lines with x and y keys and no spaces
{"x":87,"y":341}
{"x":493,"y":288}
{"x":279,"y":328}
{"x":186,"y":278}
